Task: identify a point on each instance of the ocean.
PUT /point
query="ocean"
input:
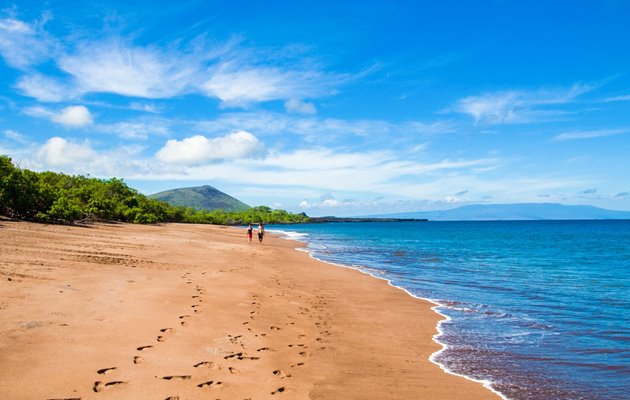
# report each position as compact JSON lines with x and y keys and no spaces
{"x":536,"y":309}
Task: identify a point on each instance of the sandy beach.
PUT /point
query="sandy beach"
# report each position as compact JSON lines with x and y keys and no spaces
{"x":175,"y":311}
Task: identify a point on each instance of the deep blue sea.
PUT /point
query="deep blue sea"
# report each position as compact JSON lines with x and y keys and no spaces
{"x":540,"y":309}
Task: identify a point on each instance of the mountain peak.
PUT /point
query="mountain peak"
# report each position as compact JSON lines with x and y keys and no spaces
{"x":204,"y":197}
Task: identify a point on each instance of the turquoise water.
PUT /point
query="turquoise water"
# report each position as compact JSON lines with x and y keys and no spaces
{"x":541,"y":309}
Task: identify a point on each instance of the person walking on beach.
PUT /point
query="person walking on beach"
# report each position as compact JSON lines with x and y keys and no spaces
{"x":250,"y":233}
{"x":261,"y":232}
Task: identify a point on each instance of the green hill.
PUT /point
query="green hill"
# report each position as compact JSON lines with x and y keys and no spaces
{"x":201,"y":197}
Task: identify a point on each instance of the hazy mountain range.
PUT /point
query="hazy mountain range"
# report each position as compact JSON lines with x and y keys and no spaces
{"x":520,"y":211}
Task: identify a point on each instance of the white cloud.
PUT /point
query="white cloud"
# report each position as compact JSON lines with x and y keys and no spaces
{"x":518,"y":106}
{"x":326,"y":201}
{"x":71,"y":116}
{"x":573,"y":135}
{"x":60,"y":152}
{"x":298,"y":106}
{"x":199,"y":149}
{"x":74,"y":116}
{"x":23,"y":44}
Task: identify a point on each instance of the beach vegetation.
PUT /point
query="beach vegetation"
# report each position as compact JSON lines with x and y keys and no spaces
{"x":59,"y":198}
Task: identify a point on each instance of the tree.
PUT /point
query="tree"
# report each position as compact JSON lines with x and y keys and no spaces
{"x":54,"y":197}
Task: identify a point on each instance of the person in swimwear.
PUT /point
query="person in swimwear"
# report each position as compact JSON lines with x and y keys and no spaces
{"x":261,"y":232}
{"x":250,"y":233}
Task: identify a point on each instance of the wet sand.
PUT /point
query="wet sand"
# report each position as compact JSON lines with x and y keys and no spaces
{"x":119,"y":311}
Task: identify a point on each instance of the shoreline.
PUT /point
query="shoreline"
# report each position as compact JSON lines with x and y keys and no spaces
{"x":192,"y":311}
{"x":444,"y":318}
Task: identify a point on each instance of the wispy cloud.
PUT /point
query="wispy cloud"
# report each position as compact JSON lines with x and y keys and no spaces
{"x":509,"y":107}
{"x":138,"y":129}
{"x":588,"y":191}
{"x":299,"y":106}
{"x":146,"y":107}
{"x":237,"y":76}
{"x":46,"y":89}
{"x":590,"y":134}
{"x":617,"y":98}
{"x":17,"y":137}
{"x":116,"y":66}
{"x":317,"y":129}
{"x":24,"y":44}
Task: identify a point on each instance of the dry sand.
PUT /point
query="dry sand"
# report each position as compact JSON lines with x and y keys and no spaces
{"x":117,"y":311}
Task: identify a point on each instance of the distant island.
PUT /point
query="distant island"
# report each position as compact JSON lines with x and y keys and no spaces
{"x":514,"y":212}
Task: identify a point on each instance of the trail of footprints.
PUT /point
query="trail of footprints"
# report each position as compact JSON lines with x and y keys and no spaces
{"x":163,"y":336}
{"x":300,"y":349}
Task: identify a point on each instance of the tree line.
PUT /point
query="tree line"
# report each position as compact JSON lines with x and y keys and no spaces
{"x":59,"y":198}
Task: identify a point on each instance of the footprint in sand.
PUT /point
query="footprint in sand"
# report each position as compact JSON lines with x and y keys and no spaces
{"x":105,"y":370}
{"x":141,"y":348}
{"x":67,"y":398}
{"x":234,"y":355}
{"x":138,"y":360}
{"x":183,"y":319}
{"x":235,"y":339}
{"x":209,"y":383}
{"x":279,"y":390}
{"x":279,"y":373}
{"x":263,"y":349}
{"x":233,"y":370}
{"x":162,"y":338}
{"x":207,"y":364}
{"x":100,"y":386}
{"x":177,"y":377}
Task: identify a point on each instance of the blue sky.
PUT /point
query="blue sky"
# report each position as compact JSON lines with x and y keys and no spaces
{"x":333,"y":109}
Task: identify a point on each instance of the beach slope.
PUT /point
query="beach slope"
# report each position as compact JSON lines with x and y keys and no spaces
{"x":118,"y":311}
